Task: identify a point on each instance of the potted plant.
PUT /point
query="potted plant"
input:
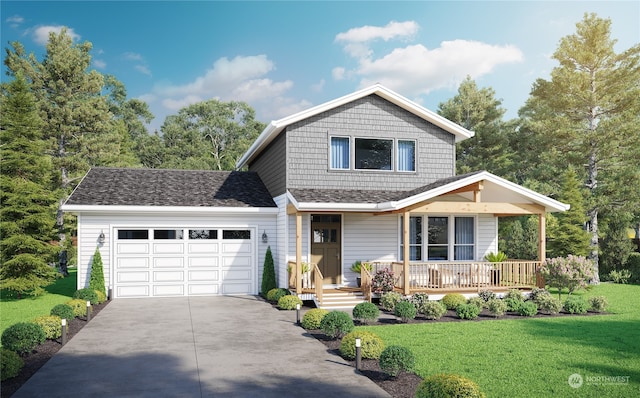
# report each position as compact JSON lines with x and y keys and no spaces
{"x":498,"y":257}
{"x":357,"y":268}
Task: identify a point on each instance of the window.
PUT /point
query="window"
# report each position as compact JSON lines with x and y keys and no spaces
{"x":415,"y":239}
{"x":203,"y":234}
{"x":133,"y":234}
{"x":373,"y":154}
{"x":340,"y":153}
{"x":406,"y":155}
{"x":438,"y":238}
{"x":236,"y":234}
{"x":444,"y":243}
{"x":168,"y":234}
{"x":464,"y":239}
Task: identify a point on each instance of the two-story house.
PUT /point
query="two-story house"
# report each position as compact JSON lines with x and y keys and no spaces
{"x":352,"y":179}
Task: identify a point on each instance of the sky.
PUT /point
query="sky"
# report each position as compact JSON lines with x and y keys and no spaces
{"x":284,"y":57}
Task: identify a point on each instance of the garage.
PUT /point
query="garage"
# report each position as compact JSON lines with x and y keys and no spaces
{"x":162,"y":262}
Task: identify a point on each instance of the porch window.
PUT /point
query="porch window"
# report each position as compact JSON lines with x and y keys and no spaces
{"x":438,"y":238}
{"x":464,"y":239}
{"x":415,"y":239}
{"x":444,"y":243}
{"x":406,"y":155}
{"x":373,"y":154}
{"x":339,"y":153}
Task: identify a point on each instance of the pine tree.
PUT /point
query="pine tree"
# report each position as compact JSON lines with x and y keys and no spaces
{"x":268,"y":273}
{"x":616,"y":245}
{"x":569,"y":235}
{"x":96,"y":280}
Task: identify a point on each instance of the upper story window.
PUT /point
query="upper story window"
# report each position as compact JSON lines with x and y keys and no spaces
{"x":406,"y":155}
{"x":373,"y":154}
{"x":340,"y":151}
{"x":346,"y":153}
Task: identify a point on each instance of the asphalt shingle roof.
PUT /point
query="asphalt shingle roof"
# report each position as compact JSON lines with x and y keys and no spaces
{"x":159,"y":187}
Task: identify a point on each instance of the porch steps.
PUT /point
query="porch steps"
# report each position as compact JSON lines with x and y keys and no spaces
{"x":339,"y":299}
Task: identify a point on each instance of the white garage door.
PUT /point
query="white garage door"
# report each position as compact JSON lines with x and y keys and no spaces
{"x":161,"y":262}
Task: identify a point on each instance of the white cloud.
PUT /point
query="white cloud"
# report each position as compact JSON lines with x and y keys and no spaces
{"x":318,"y":87}
{"x":143,"y":69}
{"x":99,"y":64}
{"x":40,"y":34}
{"x":367,"y":33}
{"x":338,"y":73}
{"x":177,"y":104}
{"x":133,"y":56}
{"x":15,"y":21}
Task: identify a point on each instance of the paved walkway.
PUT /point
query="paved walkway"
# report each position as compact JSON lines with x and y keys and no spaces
{"x":195,"y":347}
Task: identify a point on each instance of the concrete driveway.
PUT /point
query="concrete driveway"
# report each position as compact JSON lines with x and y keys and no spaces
{"x":195,"y":347}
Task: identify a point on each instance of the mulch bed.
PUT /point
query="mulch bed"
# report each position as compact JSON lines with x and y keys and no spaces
{"x":42,"y":353}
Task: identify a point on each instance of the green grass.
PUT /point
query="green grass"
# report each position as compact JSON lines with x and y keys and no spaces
{"x":535,"y":356}
{"x":23,"y":310}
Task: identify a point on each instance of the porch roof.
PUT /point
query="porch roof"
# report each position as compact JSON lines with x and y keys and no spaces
{"x":456,"y":189}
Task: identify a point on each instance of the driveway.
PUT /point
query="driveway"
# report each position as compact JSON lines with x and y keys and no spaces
{"x":195,"y":347}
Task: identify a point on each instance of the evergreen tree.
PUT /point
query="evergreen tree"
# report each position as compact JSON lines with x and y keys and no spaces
{"x":519,"y":238}
{"x":96,"y":280}
{"x":616,"y":245}
{"x":268,"y":273}
{"x":26,"y":205}
{"x":569,"y":235}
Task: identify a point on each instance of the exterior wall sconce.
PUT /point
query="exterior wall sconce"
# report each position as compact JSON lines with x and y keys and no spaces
{"x":265,"y":238}
{"x":101,"y":238}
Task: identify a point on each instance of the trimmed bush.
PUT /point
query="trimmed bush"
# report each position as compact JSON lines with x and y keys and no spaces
{"x":79,"y":307}
{"x":486,"y":295}
{"x":371,"y":345}
{"x":64,"y":311}
{"x":598,"y":303}
{"x":289,"y":302}
{"x":549,"y":304}
{"x":477,"y":301}
{"x":275,"y":294}
{"x":101,"y":297}
{"x":467,"y":311}
{"x":405,"y":310}
{"x":448,"y":385}
{"x":623,"y":276}
{"x":366,"y":312}
{"x":528,"y":308}
{"x":576,"y":305}
{"x":537,"y":293}
{"x":497,"y":307}
{"x":419,"y":298}
{"x":453,"y":300}
{"x":389,"y":300}
{"x":513,"y":304}
{"x":86,"y":294}
{"x":23,"y":337}
{"x":51,"y":325}
{"x":382,"y":281}
{"x":336,"y":324}
{"x":10,"y":364}
{"x":395,"y":359}
{"x":514,"y":294}
{"x":268,"y":274}
{"x":96,"y":278}
{"x":312,"y":318}
{"x":433,"y":309}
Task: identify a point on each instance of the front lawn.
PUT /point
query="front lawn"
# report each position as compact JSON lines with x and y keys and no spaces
{"x":535,"y":357}
{"x":23,"y":310}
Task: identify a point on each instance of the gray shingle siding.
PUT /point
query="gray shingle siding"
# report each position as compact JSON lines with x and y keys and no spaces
{"x":270,"y":165}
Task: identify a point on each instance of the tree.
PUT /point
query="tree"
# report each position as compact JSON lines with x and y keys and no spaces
{"x":571,"y":272}
{"x":616,"y":245}
{"x":26,"y":216}
{"x":96,"y":279}
{"x":589,"y":111}
{"x":519,"y":238}
{"x":268,"y":273}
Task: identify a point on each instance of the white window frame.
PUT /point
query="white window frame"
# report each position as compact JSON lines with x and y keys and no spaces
{"x":349,"y":161}
{"x":451,"y":245}
{"x":415,"y":155}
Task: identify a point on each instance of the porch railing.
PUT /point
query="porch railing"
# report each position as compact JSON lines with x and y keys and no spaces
{"x":365,"y":283}
{"x":311,"y":278}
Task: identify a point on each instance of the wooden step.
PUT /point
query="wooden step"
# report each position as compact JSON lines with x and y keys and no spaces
{"x":335,"y":300}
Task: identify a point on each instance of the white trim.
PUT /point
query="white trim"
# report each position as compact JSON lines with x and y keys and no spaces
{"x":166,"y":209}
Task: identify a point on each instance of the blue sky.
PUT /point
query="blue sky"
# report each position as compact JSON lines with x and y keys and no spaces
{"x":284,"y":57}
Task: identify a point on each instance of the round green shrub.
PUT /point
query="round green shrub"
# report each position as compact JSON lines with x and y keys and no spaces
{"x":576,"y":305}
{"x":389,"y":300}
{"x":86,"y":294}
{"x":366,"y":312}
{"x":548,"y":304}
{"x":448,"y":385}
{"x":395,"y":359}
{"x":528,"y":308}
{"x":275,"y":294}
{"x":22,"y":337}
{"x":598,"y":303}
{"x":486,"y":295}
{"x":64,"y":311}
{"x":79,"y":307}
{"x":10,"y":364}
{"x":497,"y":307}
{"x":51,"y":324}
{"x":477,"y":301}
{"x":514,"y":294}
{"x":537,"y":293}
{"x":453,"y":300}
{"x":289,"y":302}
{"x":312,"y":318}
{"x":371,"y":345}
{"x":433,"y":309}
{"x":419,"y":298}
{"x":101,"y":297}
{"x":336,"y":324}
{"x":467,"y":311}
{"x":513,"y":304}
{"x":405,"y":310}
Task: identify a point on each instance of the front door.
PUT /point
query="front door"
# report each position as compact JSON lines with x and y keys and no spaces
{"x":325,"y":246}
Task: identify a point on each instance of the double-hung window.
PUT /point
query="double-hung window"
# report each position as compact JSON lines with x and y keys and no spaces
{"x":450,"y":238}
{"x":339,"y":153}
{"x":415,"y":239}
{"x":406,"y":155}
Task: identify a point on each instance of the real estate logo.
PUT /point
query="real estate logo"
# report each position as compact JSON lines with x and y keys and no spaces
{"x":575,"y":380}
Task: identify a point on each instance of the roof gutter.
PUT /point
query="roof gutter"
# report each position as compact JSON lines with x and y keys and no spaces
{"x":70,"y":208}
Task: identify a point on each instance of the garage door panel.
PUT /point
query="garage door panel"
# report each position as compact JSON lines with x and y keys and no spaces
{"x":168,"y":276}
{"x":236,"y":288}
{"x":233,"y":248}
{"x":197,"y":248}
{"x":133,"y":276}
{"x":133,"y":248}
{"x":132,"y":262}
{"x":133,"y":291}
{"x":168,"y":290}
{"x":237,"y":261}
{"x":168,"y":248}
{"x":203,"y":261}
{"x":168,"y":262}
{"x":209,"y":275}
{"x":236,"y":275}
{"x":204,"y":289}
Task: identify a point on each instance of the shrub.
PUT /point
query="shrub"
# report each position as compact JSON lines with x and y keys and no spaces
{"x":79,"y":307}
{"x":452,"y":300}
{"x":405,"y":310}
{"x":433,"y":309}
{"x":633,"y":265}
{"x":448,"y":385}
{"x":96,"y":278}
{"x":10,"y":364}
{"x":536,"y":293}
{"x":576,"y":305}
{"x":496,"y":257}
{"x":467,"y":311}
{"x":419,"y":298}
{"x":571,"y":272}
{"x":513,"y":305}
{"x":51,"y":325}
{"x":389,"y":300}
{"x":486,"y":295}
{"x":336,"y":324}
{"x":497,"y":307}
{"x":395,"y":359}
{"x":366,"y":312}
{"x":101,"y":297}
{"x":621,"y":276}
{"x":382,"y":281}
{"x":477,"y":301}
{"x":64,"y":311}
{"x":514,"y":294}
{"x":598,"y":303}
{"x":371,"y":345}
{"x":22,"y":337}
{"x":549,"y":304}
{"x":275,"y":294}
{"x":313,"y":317}
{"x":268,"y":274}
{"x":528,"y":309}
{"x":289,"y":302}
{"x":86,"y":294}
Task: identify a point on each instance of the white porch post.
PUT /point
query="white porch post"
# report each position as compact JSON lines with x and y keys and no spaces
{"x":298,"y":253}
{"x":406,"y":226}
{"x":542,"y":236}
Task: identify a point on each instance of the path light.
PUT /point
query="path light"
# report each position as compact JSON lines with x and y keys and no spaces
{"x":88,"y":310}
{"x":64,"y":331}
{"x":358,"y":355}
{"x":298,"y":314}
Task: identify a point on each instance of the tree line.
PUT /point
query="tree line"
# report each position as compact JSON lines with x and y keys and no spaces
{"x":576,"y":139}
